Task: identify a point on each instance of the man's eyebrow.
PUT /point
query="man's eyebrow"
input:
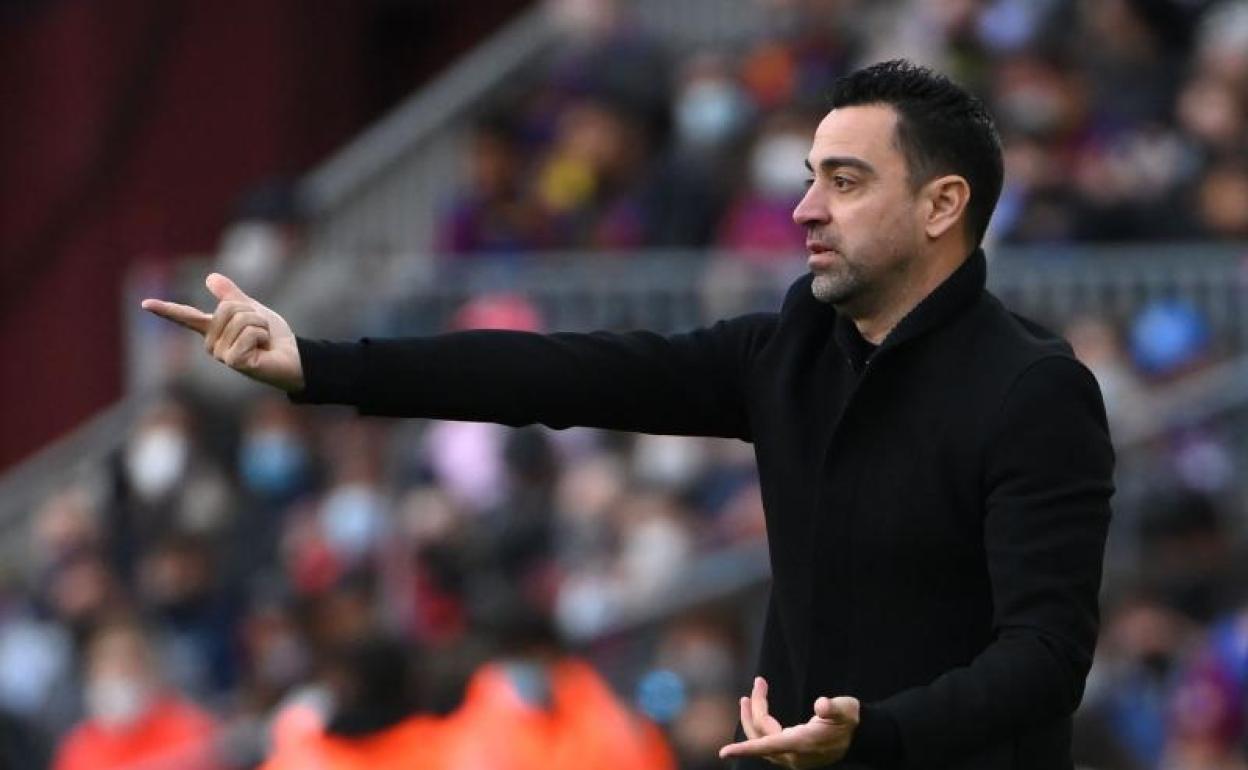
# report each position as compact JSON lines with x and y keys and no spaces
{"x":837,"y":161}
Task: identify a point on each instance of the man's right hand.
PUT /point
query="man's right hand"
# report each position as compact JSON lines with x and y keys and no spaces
{"x":241,"y":333}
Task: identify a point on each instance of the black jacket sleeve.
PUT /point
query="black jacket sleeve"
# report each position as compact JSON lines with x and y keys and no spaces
{"x":686,"y":384}
{"x":1048,"y":480}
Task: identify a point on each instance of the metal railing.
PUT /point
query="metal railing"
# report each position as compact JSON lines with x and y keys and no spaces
{"x":672,"y":290}
{"x":701,"y":23}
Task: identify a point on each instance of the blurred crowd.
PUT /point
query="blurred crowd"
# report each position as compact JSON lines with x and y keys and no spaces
{"x":217,"y":571}
{"x":1169,"y":685}
{"x":1121,"y":120}
{"x":243,"y":580}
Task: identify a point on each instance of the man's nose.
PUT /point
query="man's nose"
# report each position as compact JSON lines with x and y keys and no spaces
{"x":811,"y":209}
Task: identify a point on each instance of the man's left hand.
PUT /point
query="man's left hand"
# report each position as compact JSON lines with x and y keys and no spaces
{"x":821,"y":741}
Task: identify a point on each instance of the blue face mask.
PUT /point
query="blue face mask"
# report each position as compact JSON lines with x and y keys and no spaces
{"x":531,"y":680}
{"x":272,"y":464}
{"x":353,"y":519}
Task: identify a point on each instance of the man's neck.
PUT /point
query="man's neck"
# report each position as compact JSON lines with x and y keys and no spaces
{"x":878,"y":320}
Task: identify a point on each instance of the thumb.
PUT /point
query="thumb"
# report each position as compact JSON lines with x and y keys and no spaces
{"x":841,"y":710}
{"x":223,"y":288}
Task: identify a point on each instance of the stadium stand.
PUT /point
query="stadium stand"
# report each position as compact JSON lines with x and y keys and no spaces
{"x":537,"y":185}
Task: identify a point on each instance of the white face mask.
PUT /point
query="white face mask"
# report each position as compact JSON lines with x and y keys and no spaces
{"x":777,"y":166}
{"x":116,"y":701}
{"x":253,"y":253}
{"x":668,"y":462}
{"x":155,"y":461}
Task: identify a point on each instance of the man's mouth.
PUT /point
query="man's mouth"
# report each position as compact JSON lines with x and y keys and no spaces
{"x":821,"y":256}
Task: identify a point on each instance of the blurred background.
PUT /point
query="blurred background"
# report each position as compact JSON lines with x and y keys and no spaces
{"x":189,"y":566}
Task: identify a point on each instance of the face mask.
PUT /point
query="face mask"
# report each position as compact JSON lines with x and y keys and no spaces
{"x":352,"y":519}
{"x":709,"y":112}
{"x":155,"y":462}
{"x":252,"y":253}
{"x":668,"y":462}
{"x":272,"y":464}
{"x":531,"y":682}
{"x":661,"y":695}
{"x":776,"y":166}
{"x":116,"y":702}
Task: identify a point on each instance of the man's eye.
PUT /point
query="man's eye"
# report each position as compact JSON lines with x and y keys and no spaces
{"x":809,"y":182}
{"x":842,"y":182}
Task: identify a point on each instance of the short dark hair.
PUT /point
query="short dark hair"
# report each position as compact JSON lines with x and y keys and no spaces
{"x":941,"y":129}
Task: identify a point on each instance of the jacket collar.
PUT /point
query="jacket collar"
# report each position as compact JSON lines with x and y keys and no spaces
{"x":957,"y":292}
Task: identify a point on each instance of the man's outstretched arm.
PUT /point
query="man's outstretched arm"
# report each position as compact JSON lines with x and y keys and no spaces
{"x":691,"y":384}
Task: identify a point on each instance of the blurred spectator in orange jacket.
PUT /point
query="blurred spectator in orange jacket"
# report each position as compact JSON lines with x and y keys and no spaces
{"x":536,"y":707}
{"x":368,"y":719}
{"x":134,"y":720}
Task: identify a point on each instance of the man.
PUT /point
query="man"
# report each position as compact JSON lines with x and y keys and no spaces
{"x":542,"y":708}
{"x":936,"y":471}
{"x":374,"y":721}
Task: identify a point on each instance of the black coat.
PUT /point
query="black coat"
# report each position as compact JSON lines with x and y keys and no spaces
{"x":936,"y":516}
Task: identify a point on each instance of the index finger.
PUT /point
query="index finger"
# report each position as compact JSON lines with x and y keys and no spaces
{"x":184,"y":315}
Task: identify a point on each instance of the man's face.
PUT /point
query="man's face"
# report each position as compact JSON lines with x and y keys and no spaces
{"x":860,"y":215}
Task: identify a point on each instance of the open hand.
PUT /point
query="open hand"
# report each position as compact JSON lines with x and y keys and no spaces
{"x":241,"y":333}
{"x":822,"y":740}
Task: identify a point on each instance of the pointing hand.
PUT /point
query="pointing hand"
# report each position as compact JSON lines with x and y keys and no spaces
{"x":241,"y":333}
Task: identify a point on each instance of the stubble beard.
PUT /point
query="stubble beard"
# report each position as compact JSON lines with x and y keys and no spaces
{"x":837,"y":286}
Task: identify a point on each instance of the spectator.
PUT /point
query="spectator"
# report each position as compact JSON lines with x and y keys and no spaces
{"x":546,"y":709}
{"x":265,"y":237}
{"x":693,"y":686}
{"x":191,"y":608}
{"x":711,"y":115}
{"x":759,"y":221}
{"x":168,"y":483}
{"x":1207,"y":718}
{"x":1098,"y":345}
{"x":496,"y":214}
{"x":589,"y":181}
{"x":1222,"y":200}
{"x":134,"y":719}
{"x":1137,"y":662}
{"x":373,"y":722}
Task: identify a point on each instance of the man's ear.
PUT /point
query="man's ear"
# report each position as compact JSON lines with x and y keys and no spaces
{"x":946,"y":198}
